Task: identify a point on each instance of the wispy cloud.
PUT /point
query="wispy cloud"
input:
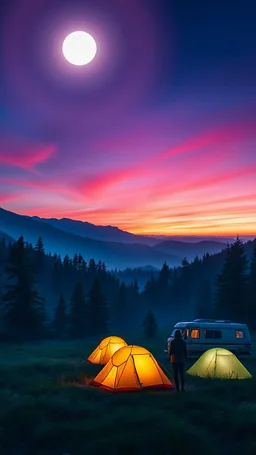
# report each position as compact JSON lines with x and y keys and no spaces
{"x":23,"y":153}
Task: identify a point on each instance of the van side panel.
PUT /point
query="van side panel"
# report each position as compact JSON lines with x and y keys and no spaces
{"x":201,"y":336}
{"x":199,"y":340}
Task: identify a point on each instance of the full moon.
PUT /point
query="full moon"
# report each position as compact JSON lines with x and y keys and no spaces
{"x":79,"y":48}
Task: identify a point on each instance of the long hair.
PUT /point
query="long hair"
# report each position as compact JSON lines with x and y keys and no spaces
{"x":177,"y":334}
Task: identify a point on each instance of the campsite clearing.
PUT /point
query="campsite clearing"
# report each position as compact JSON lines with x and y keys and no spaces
{"x":48,"y":403}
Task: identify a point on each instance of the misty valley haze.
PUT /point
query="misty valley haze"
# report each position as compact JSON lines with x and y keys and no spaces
{"x":221,"y":284}
{"x":118,"y":249}
{"x":131,"y":262}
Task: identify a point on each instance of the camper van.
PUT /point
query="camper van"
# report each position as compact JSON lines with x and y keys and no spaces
{"x":203,"y":334}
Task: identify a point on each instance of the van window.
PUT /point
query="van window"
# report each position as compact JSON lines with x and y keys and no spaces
{"x":195,"y":333}
{"x":213,"y":334}
{"x":240,"y":334}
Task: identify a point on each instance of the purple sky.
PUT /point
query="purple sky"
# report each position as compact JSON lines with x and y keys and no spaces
{"x":156,"y":135}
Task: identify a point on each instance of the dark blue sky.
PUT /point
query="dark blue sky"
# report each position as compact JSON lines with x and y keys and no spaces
{"x":209,"y":35}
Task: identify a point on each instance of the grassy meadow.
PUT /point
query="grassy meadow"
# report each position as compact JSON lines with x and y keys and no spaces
{"x":48,"y":407}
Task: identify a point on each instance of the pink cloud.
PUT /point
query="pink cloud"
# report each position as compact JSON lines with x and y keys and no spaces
{"x":221,"y":136}
{"x":157,"y":132}
{"x":202,"y":204}
{"x":93,"y":186}
{"x":23,"y":153}
{"x":200,"y":183}
{"x":4,"y":199}
{"x":46,"y":184}
{"x":222,"y":141}
{"x":95,"y":214}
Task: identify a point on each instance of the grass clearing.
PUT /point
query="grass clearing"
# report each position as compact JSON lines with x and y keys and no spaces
{"x":48,"y":407}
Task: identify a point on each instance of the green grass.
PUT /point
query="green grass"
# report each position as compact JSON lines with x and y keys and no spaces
{"x":48,"y":407}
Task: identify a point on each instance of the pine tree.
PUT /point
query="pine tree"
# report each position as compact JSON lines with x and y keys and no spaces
{"x":81,"y":264}
{"x":1,"y":307}
{"x":136,"y":286}
{"x":252,"y":290}
{"x":121,"y":308}
{"x":98,"y":311}
{"x":75,"y":261}
{"x":60,"y":319}
{"x":39,"y":254}
{"x":163,"y":287}
{"x":99,"y":266}
{"x":39,"y":247}
{"x":134,"y":295}
{"x":204,"y":300}
{"x":57,"y":277}
{"x":150,"y":325}
{"x":92,"y":271}
{"x":66,"y":263}
{"x":150,"y":294}
{"x":23,"y":304}
{"x":231,"y":285}
{"x":78,"y":316}
{"x":3,"y":252}
{"x":185,"y":282}
{"x":186,"y":277}
{"x":92,"y":267}
{"x":164,"y":276}
{"x":197,"y":262}
{"x":134,"y":311}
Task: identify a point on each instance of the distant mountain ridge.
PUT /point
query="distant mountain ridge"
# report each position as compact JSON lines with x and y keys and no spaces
{"x":190,"y":250}
{"x":113,"y":233}
{"x":169,"y":246}
{"x":105,"y":233}
{"x":198,"y":238}
{"x":114,"y":254}
{"x":6,"y":237}
{"x":117,"y":248}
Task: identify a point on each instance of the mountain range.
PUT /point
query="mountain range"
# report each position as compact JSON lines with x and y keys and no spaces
{"x":105,"y":233}
{"x":118,"y":249}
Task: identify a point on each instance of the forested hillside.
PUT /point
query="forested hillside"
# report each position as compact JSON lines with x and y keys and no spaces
{"x":44,"y":296}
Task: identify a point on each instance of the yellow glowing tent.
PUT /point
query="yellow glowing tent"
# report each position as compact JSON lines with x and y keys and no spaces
{"x":131,"y":368}
{"x":106,"y":349}
{"x":218,"y":363}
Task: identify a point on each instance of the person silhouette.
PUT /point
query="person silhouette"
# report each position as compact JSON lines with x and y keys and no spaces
{"x":178,"y":357}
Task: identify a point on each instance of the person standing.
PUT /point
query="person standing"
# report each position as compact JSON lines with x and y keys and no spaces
{"x":178,"y":356}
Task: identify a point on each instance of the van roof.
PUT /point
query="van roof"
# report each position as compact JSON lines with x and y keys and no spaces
{"x":211,"y":323}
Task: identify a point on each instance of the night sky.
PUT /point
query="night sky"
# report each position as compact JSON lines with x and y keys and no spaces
{"x":156,"y":135}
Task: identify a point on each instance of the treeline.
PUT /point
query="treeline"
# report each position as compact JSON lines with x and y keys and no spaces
{"x":42,"y":295}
